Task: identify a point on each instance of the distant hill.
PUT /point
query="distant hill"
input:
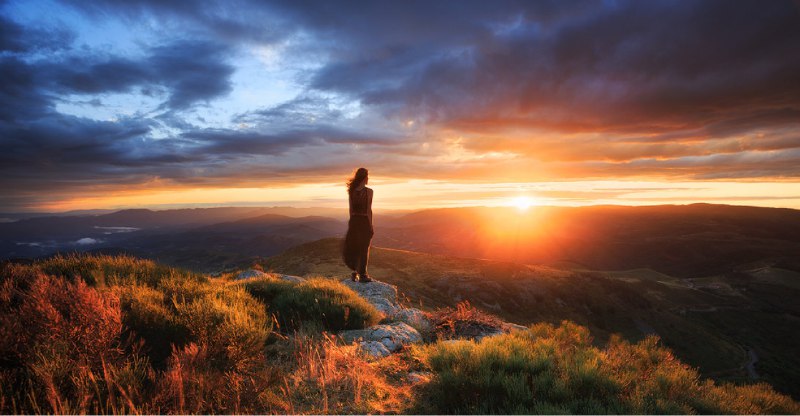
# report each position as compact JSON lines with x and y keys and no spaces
{"x":698,"y":240}
{"x":142,"y":231}
{"x":733,"y":327}
{"x":684,"y":240}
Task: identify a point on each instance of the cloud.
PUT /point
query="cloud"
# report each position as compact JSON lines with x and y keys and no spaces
{"x":509,"y":90}
{"x":190,"y":72}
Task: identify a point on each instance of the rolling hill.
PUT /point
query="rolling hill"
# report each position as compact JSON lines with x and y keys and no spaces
{"x":683,"y":240}
{"x":732,"y":327}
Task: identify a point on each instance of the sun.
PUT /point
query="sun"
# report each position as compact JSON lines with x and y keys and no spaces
{"x":522,"y":203}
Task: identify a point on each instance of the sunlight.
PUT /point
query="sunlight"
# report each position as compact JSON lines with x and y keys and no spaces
{"x":522,"y":203}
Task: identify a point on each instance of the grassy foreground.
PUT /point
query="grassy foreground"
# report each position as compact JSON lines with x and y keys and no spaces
{"x":110,"y":335}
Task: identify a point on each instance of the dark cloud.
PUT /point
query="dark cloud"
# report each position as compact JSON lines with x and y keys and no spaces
{"x":231,"y":20}
{"x":697,"y":70}
{"x":701,"y":89}
{"x":190,"y":71}
{"x":16,"y":38}
{"x":20,"y":94}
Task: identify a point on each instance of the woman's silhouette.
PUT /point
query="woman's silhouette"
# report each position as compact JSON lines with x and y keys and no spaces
{"x":359,"y":229}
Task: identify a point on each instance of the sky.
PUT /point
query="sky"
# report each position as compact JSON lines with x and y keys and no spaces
{"x":166,"y":103}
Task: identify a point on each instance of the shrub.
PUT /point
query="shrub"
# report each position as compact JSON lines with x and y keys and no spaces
{"x":550,"y":369}
{"x":318,"y":301}
{"x":61,"y":347}
{"x":230,"y":324}
{"x":147,"y":315}
{"x":464,"y":321}
{"x":102,"y":270}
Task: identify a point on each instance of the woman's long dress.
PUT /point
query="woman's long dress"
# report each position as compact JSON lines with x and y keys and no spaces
{"x":359,"y":232}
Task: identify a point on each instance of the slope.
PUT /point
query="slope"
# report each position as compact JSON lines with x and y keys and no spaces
{"x":716,"y":327}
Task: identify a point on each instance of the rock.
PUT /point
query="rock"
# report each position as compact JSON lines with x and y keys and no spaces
{"x":382,"y":296}
{"x":415,"y":318}
{"x":374,"y":349}
{"x":290,"y":278}
{"x":249,"y":274}
{"x":509,"y":327}
{"x":393,"y":336}
{"x":383,"y":306}
{"x":416,"y":377}
{"x":489,"y":333}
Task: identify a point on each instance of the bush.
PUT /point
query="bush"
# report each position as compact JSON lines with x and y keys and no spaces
{"x":550,"y":369}
{"x":230,"y":324}
{"x":318,"y":301}
{"x":465,"y":321}
{"x":147,"y":315}
{"x":102,"y":270}
{"x":61,"y":347}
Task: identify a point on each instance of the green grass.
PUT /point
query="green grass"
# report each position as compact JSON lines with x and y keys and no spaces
{"x":316,"y":301}
{"x":549,"y":369}
{"x":102,"y":270}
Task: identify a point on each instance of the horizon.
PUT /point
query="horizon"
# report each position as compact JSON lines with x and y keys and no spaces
{"x":508,"y":205}
{"x":128,"y":105}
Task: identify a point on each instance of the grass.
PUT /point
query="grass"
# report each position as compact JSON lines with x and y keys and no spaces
{"x":556,"y":369}
{"x":156,"y":340}
{"x":316,"y":301}
{"x":758,"y":314}
{"x":137,"y":338}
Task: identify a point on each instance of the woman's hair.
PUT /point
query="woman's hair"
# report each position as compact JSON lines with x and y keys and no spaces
{"x":358,"y":178}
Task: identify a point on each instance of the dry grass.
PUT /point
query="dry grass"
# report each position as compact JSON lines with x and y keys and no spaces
{"x":325,"y":377}
{"x":176,"y":343}
{"x":464,"y":321}
{"x":62,"y":347}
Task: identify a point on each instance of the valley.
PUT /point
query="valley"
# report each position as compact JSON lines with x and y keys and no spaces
{"x":717,"y":323}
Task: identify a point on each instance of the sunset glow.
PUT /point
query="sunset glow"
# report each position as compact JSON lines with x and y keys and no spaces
{"x":115,"y":105}
{"x":522,"y":203}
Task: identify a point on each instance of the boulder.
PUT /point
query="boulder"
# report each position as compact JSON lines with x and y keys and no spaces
{"x":415,"y":318}
{"x":488,"y":333}
{"x":393,"y":336}
{"x":374,"y":349}
{"x":382,"y":296}
{"x":290,"y":278}
{"x":250,"y":274}
{"x":510,"y":327}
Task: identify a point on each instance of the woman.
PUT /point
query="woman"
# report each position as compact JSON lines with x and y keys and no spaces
{"x":359,"y":229}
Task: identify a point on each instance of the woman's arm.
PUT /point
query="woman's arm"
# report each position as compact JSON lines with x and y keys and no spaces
{"x":350,"y":203}
{"x":369,"y":209}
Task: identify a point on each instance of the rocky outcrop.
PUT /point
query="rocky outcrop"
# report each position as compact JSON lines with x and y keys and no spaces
{"x":414,"y":318}
{"x":251,"y":274}
{"x":290,"y":278}
{"x":392,"y":336}
{"x":382,"y":296}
